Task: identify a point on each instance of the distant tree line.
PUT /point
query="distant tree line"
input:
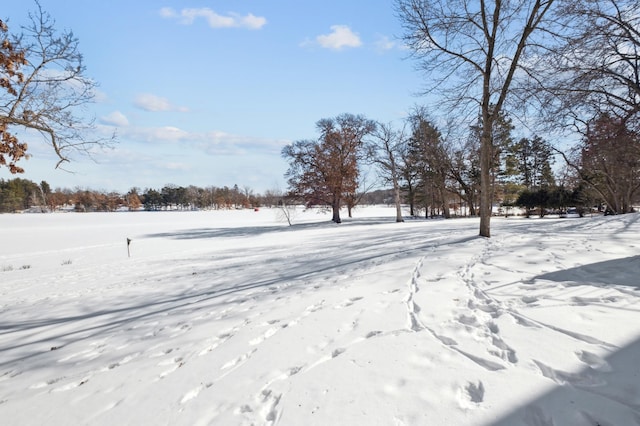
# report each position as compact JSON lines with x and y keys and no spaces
{"x":17,"y":195}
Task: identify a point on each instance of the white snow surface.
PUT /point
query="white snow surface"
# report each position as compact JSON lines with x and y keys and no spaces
{"x":236,"y":318}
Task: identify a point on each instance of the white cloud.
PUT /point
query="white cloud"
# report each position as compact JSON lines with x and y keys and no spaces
{"x":212,"y":142}
{"x":383,"y":43}
{"x":153,"y":103}
{"x":215,"y":20}
{"x":116,"y":118}
{"x":222,"y":143}
{"x":339,"y":37}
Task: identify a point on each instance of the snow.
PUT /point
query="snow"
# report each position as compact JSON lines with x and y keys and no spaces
{"x":236,"y":318}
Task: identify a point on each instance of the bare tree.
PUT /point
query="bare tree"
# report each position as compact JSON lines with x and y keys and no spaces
{"x":597,"y":70}
{"x":45,"y":90}
{"x":387,"y":150}
{"x":472,"y":50}
{"x":465,"y":172}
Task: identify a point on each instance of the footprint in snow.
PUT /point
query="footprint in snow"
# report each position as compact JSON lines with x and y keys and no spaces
{"x":594,"y":361}
{"x":72,"y":385}
{"x":471,"y":395}
{"x":270,"y":332}
{"x":270,"y":401}
{"x":194,"y":392}
{"x":347,"y":302}
{"x":49,"y":382}
{"x":337,"y":352}
{"x":238,"y":360}
{"x":175,"y":363}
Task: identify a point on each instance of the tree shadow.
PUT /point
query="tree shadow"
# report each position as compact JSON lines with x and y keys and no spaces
{"x":605,"y":393}
{"x":624,"y":271}
{"x":248,"y":231}
{"x":33,"y":338}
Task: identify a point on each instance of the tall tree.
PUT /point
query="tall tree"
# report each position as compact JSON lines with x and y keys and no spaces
{"x":431,"y":160}
{"x":326,"y":170}
{"x":44,"y":82}
{"x":472,"y":50}
{"x":387,"y":148}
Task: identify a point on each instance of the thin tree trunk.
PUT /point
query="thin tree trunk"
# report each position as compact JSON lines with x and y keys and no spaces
{"x":396,"y":193}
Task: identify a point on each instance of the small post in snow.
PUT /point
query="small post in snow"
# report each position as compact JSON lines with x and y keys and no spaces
{"x":128,"y":244}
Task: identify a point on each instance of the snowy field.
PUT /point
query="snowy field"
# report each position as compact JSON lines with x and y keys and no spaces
{"x":235,"y":318}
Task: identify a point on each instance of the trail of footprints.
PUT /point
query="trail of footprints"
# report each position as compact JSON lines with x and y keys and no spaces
{"x":266,"y":402}
{"x":476,"y":315}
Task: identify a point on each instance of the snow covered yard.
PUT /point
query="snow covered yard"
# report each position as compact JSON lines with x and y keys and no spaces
{"x":235,"y":318}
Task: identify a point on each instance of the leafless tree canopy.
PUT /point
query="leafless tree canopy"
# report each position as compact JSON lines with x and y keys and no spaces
{"x":471,"y":51}
{"x":598,"y":69}
{"x":50,"y":89}
{"x":387,"y":149}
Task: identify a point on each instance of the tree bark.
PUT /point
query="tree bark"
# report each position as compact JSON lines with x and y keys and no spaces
{"x":396,"y":194}
{"x":335,"y":207}
{"x":486,"y":159}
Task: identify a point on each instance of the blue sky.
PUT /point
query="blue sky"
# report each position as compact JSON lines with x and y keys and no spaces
{"x":208,"y":92}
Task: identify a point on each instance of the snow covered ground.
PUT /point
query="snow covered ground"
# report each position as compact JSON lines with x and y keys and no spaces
{"x":235,"y":318}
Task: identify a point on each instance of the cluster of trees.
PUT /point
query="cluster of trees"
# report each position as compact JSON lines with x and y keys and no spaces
{"x":557,"y":63}
{"x":434,"y":173}
{"x":23,"y":195}
{"x":192,"y":197}
{"x":562,"y":62}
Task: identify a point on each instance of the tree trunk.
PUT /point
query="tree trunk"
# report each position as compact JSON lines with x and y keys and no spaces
{"x":396,"y":193}
{"x":446,"y":212}
{"x":486,"y":157}
{"x":336,"y":210}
